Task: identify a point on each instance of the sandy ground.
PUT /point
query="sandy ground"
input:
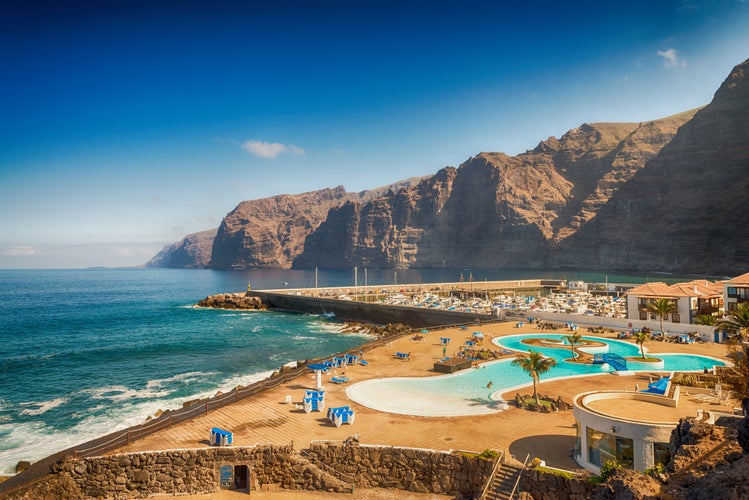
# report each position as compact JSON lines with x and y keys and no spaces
{"x":268,"y":419}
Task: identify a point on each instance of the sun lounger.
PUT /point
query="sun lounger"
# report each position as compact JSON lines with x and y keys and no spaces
{"x":341,"y":415}
{"x":337,"y":409}
{"x":402,"y":355}
{"x":444,"y":341}
{"x":220,"y":437}
{"x":339,"y":380}
{"x":363,"y":362}
{"x":352,"y":359}
{"x":313,"y":403}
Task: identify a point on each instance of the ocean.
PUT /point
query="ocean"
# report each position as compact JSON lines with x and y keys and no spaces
{"x":87,"y":352}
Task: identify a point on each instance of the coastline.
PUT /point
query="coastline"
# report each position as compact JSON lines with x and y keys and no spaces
{"x":266,"y":418}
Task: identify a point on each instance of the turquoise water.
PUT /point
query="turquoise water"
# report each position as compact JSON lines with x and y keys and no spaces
{"x":466,"y":392}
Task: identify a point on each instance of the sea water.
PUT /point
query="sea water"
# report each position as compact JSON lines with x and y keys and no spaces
{"x":87,"y":352}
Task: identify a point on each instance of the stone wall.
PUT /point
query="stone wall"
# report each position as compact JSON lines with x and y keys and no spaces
{"x":138,"y":475}
{"x":410,"y":469}
{"x":544,"y":485}
{"x":195,"y":471}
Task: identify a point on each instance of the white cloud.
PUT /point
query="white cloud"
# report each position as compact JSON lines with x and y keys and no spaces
{"x":671,"y":59}
{"x":21,"y":251}
{"x":264,"y":149}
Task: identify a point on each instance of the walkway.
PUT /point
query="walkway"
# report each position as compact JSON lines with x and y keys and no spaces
{"x":268,"y":419}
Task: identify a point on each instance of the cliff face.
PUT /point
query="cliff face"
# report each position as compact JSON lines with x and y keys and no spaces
{"x":270,"y":232}
{"x":193,"y":251}
{"x":687,"y":209}
{"x":494,"y":211}
{"x":665,"y":195}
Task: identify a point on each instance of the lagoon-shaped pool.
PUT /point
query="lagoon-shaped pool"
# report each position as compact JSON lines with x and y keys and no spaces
{"x":466,"y":392}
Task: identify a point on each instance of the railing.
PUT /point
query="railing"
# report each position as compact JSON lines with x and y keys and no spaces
{"x":489,"y":481}
{"x":346,"y":478}
{"x":520,"y":474}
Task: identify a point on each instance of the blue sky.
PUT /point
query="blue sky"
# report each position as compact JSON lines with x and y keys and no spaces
{"x":126,"y":125}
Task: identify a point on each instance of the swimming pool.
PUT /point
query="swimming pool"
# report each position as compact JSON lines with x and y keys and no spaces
{"x":466,"y":392}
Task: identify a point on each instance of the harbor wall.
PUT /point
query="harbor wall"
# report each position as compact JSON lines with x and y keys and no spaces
{"x":370,"y":312}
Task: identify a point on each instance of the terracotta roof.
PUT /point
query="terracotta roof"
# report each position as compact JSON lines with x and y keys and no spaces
{"x":654,"y":289}
{"x":698,"y":288}
{"x":694,"y":288}
{"x":739,"y":280}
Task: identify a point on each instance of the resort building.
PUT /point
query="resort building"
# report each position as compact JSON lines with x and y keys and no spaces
{"x":631,"y":428}
{"x":691,"y":299}
{"x":736,"y":291}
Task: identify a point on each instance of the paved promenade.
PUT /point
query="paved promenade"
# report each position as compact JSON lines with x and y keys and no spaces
{"x":268,"y":419}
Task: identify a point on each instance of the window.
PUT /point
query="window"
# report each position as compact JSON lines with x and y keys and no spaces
{"x":732,"y":291}
{"x":643,"y":315}
{"x":675,"y":318}
{"x":603,"y":447}
{"x":661,"y":453}
{"x":578,"y":440}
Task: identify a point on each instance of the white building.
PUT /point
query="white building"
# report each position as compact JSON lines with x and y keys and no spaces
{"x":691,"y":299}
{"x":735,"y":291}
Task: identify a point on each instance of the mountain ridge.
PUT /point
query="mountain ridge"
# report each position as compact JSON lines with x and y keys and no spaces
{"x":587,"y":200}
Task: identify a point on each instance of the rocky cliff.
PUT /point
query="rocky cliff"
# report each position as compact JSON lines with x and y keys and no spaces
{"x":494,"y":211}
{"x":270,"y":232}
{"x":665,"y":195}
{"x":687,"y":209}
{"x":193,"y":251}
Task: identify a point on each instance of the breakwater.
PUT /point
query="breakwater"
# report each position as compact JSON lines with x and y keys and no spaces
{"x":351,"y":310}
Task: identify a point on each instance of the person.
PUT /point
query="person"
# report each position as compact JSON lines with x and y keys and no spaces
{"x":444,"y":351}
{"x":705,"y":370}
{"x":489,"y":385}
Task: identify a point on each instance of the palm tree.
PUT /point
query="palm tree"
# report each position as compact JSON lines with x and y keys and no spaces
{"x":705,"y":319}
{"x":573,"y":338}
{"x":662,"y":307}
{"x":738,"y":321}
{"x":641,"y":337}
{"x":535,"y":364}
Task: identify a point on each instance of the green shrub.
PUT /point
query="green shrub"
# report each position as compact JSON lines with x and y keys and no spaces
{"x":656,"y":470}
{"x":489,"y":454}
{"x":609,"y":468}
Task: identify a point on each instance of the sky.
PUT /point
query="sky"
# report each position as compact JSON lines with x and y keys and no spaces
{"x":125,"y":125}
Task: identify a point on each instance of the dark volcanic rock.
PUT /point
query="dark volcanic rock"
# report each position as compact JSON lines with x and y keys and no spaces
{"x":232,"y":301}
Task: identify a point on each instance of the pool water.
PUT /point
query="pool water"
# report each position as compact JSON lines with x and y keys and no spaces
{"x":466,"y":392}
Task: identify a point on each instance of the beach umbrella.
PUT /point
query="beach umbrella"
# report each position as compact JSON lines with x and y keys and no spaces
{"x":319,"y":368}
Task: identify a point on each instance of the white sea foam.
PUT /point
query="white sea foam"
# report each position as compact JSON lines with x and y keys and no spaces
{"x":119,"y":393}
{"x":42,"y":406}
{"x":302,"y":337}
{"x":34,"y":440}
{"x":184,"y":378}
